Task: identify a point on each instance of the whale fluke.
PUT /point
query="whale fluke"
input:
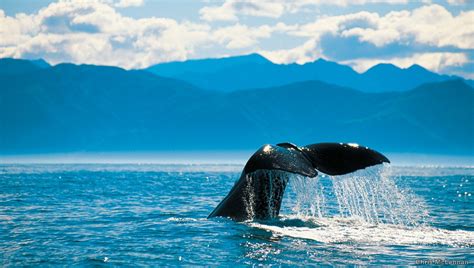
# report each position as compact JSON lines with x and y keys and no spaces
{"x":277,"y":157}
{"x":259,"y":191}
{"x":342,"y":158}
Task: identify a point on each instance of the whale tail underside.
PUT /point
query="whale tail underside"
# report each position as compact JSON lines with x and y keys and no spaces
{"x":342,"y":158}
{"x":259,"y":191}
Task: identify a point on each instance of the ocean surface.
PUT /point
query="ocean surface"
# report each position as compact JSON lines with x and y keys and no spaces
{"x":142,"y":215}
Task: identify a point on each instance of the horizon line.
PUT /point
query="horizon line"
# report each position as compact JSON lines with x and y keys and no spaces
{"x":209,"y":157}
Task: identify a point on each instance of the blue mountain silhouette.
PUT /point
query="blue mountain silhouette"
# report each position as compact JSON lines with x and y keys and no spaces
{"x":255,"y":71}
{"x":17,"y":66}
{"x":69,"y":107}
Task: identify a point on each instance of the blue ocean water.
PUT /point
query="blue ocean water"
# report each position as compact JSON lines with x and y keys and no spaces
{"x":99,"y":214}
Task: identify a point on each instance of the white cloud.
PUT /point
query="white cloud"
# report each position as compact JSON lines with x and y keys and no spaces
{"x":309,"y":51}
{"x":457,"y":2}
{"x":436,"y":61}
{"x":129,"y":3}
{"x":229,"y":10}
{"x":299,"y":5}
{"x":241,"y":36}
{"x":217,"y":13}
{"x":431,"y":25}
{"x":93,"y":32}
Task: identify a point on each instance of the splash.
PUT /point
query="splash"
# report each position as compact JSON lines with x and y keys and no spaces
{"x":348,"y":230}
{"x":365,"y":207}
{"x":310,"y":198}
{"x":370,"y":195}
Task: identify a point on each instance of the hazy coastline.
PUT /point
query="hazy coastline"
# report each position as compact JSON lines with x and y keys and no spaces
{"x":214,"y":157}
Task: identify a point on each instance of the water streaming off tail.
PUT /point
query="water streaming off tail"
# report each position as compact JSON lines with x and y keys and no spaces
{"x":264,"y":192}
{"x":370,"y":195}
{"x":309,"y":199}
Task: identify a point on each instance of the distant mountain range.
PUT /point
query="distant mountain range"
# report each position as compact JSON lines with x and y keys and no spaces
{"x":68,"y":107}
{"x":255,"y":71}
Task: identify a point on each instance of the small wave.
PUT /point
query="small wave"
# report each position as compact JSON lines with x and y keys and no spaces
{"x":354,"y":230}
{"x":180,"y":220}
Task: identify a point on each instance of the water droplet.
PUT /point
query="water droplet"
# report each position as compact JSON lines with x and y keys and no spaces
{"x":362,"y":194}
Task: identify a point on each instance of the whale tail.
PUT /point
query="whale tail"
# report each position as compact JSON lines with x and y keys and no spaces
{"x":342,"y":158}
{"x":259,"y":191}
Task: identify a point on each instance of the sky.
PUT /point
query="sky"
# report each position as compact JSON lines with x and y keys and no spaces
{"x":133,"y":34}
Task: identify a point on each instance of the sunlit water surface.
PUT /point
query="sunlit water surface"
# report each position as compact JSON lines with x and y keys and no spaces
{"x":156,"y":215}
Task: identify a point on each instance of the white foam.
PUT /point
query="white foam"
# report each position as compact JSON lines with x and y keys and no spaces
{"x":356,"y":230}
{"x":181,"y":220}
